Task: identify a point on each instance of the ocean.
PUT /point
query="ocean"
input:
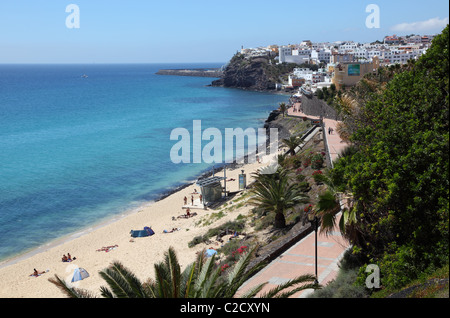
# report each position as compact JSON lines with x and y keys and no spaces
{"x":76,"y":151}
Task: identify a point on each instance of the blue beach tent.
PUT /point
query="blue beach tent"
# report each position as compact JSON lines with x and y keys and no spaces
{"x":142,"y":233}
{"x":210,"y":252}
{"x":149,"y":230}
{"x":79,"y":274}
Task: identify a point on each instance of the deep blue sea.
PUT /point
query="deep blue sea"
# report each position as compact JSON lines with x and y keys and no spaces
{"x":75,"y":151}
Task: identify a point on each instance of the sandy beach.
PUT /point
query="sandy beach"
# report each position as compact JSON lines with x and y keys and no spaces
{"x":137,"y":254}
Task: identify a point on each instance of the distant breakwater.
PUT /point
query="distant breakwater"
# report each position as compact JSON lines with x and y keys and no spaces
{"x":197,"y":72}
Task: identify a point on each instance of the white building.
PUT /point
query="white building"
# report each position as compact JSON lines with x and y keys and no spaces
{"x":348,"y":46}
{"x":416,"y":39}
{"x":305,"y":73}
{"x":298,"y":59}
{"x":321,"y":55}
{"x":283,"y":52}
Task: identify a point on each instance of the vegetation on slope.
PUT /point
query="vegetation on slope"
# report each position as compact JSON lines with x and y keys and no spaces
{"x":397,"y":171}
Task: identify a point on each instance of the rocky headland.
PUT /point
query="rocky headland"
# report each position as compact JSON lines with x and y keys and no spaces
{"x":257,"y":73}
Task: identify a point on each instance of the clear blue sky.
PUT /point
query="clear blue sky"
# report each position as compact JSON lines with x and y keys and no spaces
{"x":148,"y":31}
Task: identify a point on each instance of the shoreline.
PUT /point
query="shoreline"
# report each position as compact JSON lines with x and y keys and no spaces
{"x":107,"y":220}
{"x":137,"y":254}
{"x":82,"y":243}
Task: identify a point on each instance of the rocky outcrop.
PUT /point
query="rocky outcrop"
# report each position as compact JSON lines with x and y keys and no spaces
{"x":201,"y":72}
{"x":252,"y":74}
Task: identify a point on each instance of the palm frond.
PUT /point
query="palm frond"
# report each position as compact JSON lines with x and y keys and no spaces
{"x":254,"y":291}
{"x":69,"y":291}
{"x":279,"y":291}
{"x":122,"y":282}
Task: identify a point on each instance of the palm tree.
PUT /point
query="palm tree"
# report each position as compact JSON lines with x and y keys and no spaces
{"x":292,"y":142}
{"x":283,"y":108}
{"x":201,"y":279}
{"x":329,"y":205}
{"x":274,"y":192}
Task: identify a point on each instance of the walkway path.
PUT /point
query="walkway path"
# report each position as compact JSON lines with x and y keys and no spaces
{"x":300,"y":258}
{"x":335,"y":144}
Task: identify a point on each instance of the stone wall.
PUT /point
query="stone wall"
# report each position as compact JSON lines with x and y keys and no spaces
{"x":272,"y":250}
{"x":315,"y":107}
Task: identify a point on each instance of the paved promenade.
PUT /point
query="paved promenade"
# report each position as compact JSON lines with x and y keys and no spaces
{"x":335,"y":144}
{"x":300,"y":258}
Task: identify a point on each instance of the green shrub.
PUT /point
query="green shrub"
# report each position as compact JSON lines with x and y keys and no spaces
{"x":237,"y":225}
{"x":345,"y":284}
{"x":317,"y":161}
{"x":319,"y":177}
{"x":342,"y":287}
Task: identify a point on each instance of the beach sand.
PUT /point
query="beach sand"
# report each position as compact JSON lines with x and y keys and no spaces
{"x":138,"y":255}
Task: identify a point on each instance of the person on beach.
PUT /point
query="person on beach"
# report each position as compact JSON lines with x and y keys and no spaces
{"x":171,"y":231}
{"x":185,"y":200}
{"x":64,"y":258}
{"x":201,"y":197}
{"x":36,"y":273}
{"x":69,"y":258}
{"x":188,"y":212}
{"x":192,"y":199}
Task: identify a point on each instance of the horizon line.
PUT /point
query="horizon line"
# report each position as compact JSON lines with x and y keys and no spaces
{"x":93,"y":63}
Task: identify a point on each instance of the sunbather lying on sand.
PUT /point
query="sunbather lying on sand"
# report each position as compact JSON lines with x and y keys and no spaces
{"x":107,"y":248}
{"x":36,"y":273}
{"x":187,"y":216}
{"x":171,"y":231}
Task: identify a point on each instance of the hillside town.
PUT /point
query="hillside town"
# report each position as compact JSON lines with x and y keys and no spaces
{"x":341,"y":63}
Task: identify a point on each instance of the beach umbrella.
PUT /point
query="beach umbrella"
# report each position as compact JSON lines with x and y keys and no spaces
{"x":79,"y":274}
{"x":210,"y":252}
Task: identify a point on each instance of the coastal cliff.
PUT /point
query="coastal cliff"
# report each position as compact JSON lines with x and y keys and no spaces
{"x":258,"y":73}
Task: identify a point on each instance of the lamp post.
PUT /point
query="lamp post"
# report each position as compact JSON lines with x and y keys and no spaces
{"x":314,"y":220}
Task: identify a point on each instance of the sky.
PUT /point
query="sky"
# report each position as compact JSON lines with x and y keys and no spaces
{"x":195,"y":31}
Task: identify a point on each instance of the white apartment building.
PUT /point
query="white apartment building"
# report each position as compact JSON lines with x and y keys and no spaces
{"x":365,"y":54}
{"x":302,"y":51}
{"x":298,"y":59}
{"x":399,"y":56}
{"x":321,"y":55}
{"x":348,"y":46}
{"x":283,"y":52}
{"x":416,"y":39}
{"x":317,"y":77}
{"x":305,"y":73}
{"x":370,"y":46}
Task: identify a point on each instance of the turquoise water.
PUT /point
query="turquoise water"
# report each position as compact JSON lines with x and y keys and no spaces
{"x":75,"y":151}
